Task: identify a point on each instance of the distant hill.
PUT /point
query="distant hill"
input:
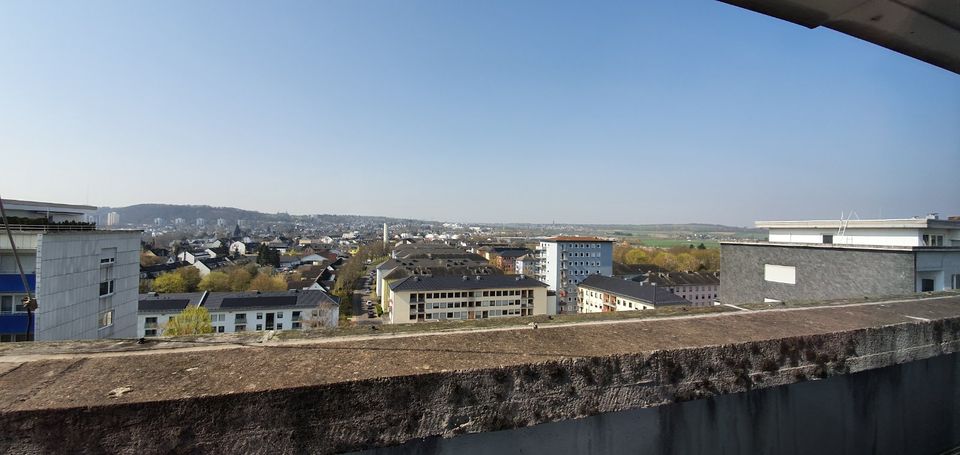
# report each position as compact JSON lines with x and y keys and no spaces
{"x":142,"y":214}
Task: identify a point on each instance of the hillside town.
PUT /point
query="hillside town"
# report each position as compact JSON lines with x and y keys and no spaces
{"x":141,"y":282}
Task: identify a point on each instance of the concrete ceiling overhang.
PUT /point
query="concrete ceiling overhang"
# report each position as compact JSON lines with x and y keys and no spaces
{"x":927,"y":30}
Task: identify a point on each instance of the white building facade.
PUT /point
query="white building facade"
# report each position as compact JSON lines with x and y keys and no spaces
{"x":601,"y":294}
{"x":430,"y":299}
{"x":232,"y":312}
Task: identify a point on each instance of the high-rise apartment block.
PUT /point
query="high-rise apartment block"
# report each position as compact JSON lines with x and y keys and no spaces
{"x":564,"y":262}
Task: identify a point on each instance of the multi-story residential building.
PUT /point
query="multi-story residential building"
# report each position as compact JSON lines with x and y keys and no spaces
{"x":602,"y":294}
{"x":822,"y":260}
{"x":429,"y":259}
{"x":113,"y":219}
{"x":526,"y":264}
{"x":439,"y":298}
{"x":242,"y":311}
{"x":154,"y":310}
{"x":506,"y":258}
{"x":699,"y":288}
{"x":85,"y":280}
{"x":567,"y":261}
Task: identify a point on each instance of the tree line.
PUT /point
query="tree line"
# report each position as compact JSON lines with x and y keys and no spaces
{"x":676,"y":259}
{"x":233,"y":278}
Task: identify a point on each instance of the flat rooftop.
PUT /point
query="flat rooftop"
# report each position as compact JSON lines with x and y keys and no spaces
{"x":17,"y":204}
{"x":901,"y":223}
{"x":79,"y":374}
{"x":839,"y":246}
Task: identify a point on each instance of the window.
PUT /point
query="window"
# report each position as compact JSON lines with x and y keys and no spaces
{"x":240,"y":318}
{"x":295,"y":316}
{"x":932,"y":240}
{"x":108,"y":256}
{"x":280,"y":315}
{"x":239,"y":328}
{"x":827,"y":238}
{"x":150,"y":323}
{"x":6,"y":304}
{"x":279,"y":326}
{"x":295,"y":325}
{"x":150,"y":333}
{"x":956,"y":281}
{"x":780,"y":273}
{"x":259,"y":326}
{"x":259,"y":316}
{"x":106,"y":288}
{"x":106,"y":319}
{"x":220,"y":329}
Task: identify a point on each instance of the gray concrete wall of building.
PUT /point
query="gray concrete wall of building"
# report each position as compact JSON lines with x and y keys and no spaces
{"x":68,"y":285}
{"x":821,"y":273}
{"x":908,"y":408}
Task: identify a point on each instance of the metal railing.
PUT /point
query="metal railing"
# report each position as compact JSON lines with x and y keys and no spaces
{"x":52,"y":227}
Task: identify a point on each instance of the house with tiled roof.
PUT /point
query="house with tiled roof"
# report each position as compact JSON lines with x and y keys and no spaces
{"x":601,"y":294}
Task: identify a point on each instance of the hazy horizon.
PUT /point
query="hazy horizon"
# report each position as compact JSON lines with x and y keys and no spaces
{"x":501,"y":112}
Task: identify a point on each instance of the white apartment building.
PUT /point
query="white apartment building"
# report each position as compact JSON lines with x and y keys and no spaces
{"x":566,"y":261}
{"x":603,"y":294}
{"x":441,"y":298}
{"x":241,"y":311}
{"x":85,"y":280}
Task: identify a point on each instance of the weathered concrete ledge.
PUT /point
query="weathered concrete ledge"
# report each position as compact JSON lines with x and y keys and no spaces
{"x":339,"y":396}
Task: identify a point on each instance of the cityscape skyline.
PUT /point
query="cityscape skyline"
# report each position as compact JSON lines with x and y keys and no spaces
{"x":540,"y":112}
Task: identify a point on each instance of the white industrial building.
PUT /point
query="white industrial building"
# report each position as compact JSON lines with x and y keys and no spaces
{"x":85,"y":280}
{"x":564,"y":262}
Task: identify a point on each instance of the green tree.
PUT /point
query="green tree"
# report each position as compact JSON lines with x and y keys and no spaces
{"x":701,"y":246}
{"x":191,"y":276}
{"x":687,"y":263}
{"x":169,"y":282}
{"x":267,"y":256}
{"x":215,"y":282}
{"x":665,"y":260}
{"x":636,"y":256}
{"x":190,"y":321}
{"x":265,"y":282}
{"x":240,"y":279}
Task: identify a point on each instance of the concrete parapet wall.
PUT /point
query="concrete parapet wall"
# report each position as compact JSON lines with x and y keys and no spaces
{"x":369,"y":413}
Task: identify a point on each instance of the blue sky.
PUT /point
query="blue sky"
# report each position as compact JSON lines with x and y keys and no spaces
{"x":494,"y":111}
